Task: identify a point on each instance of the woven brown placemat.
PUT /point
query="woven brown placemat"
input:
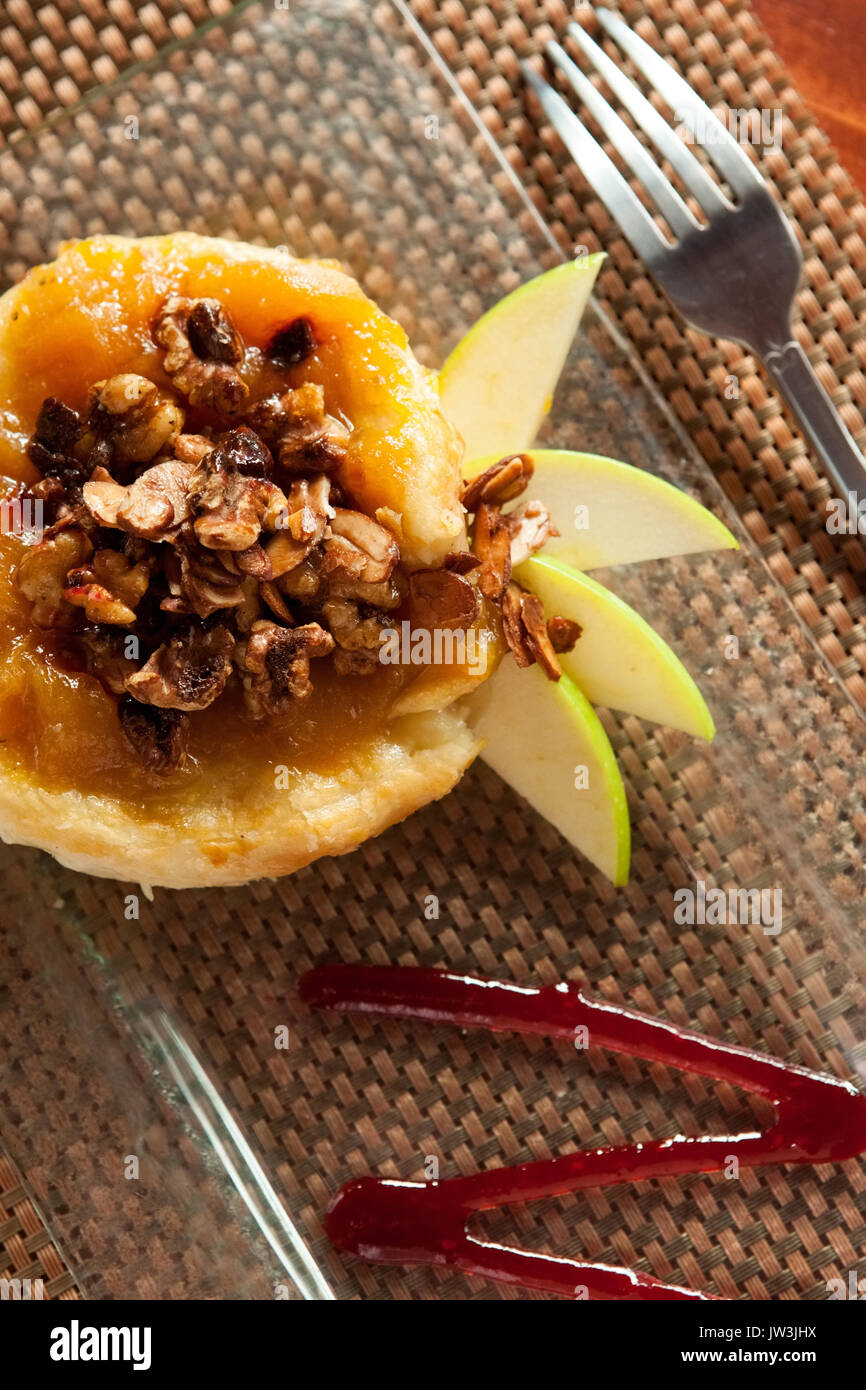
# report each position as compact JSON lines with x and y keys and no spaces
{"x":28,"y":1253}
{"x":359,"y":1096}
{"x":52,"y":55}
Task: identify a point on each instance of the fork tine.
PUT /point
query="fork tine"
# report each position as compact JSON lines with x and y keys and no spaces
{"x":694,"y":176}
{"x":599,"y":170}
{"x":666,"y":198}
{"x":732,"y":162}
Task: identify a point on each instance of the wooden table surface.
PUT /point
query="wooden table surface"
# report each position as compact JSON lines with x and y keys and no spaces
{"x":823,"y":45}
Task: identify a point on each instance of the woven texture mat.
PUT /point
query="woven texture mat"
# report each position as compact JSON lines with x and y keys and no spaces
{"x":360,"y":1096}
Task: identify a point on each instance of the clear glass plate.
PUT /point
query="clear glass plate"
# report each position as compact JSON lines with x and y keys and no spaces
{"x":330,"y":128}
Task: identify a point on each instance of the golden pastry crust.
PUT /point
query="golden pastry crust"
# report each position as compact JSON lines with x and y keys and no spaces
{"x":281,"y":829}
{"x":89,"y":315}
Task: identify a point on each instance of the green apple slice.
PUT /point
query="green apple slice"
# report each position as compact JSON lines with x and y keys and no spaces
{"x":609,"y":513}
{"x":498,"y":383}
{"x":545,"y":739}
{"x":619,"y":661}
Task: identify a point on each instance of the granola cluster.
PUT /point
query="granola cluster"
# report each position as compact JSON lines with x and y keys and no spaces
{"x":198,"y":537}
{"x":500,"y":542}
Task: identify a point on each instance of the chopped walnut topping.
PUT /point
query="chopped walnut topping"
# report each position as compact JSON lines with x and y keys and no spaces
{"x":501,"y":482}
{"x":187,"y":541}
{"x":526,"y":633}
{"x":299,"y":431}
{"x":303,"y":524}
{"x":139,"y":419}
{"x":352,"y":628}
{"x":153,"y":507}
{"x":529,"y":527}
{"x":191,"y":448}
{"x":275,"y":601}
{"x":563,"y":633}
{"x":231,"y":507}
{"x":492,"y":544}
{"x":276,"y":662}
{"x":42,"y":574}
{"x":187,"y":673}
{"x":305,"y":582}
{"x":202,"y":350}
{"x":253,"y":561}
{"x":199,"y":583}
{"x":109,"y":588}
{"x":157,"y":735}
{"x":359,"y":547}
{"x":441,"y":598}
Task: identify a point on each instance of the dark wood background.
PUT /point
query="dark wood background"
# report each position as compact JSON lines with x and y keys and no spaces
{"x":823,"y":44}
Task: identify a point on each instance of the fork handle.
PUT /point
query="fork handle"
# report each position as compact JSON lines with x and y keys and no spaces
{"x":797,"y":382}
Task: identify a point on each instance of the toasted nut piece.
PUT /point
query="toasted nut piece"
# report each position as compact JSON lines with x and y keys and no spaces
{"x":529,"y":527}
{"x":230,"y":507}
{"x":537,"y":636}
{"x":187,"y":673}
{"x":352,"y":629}
{"x":199,"y":582}
{"x":492,"y":544}
{"x":441,"y":598}
{"x":387,"y":595}
{"x":512,"y":626}
{"x":461,"y":562}
{"x":525,"y":631}
{"x":254,"y":561}
{"x":98,"y":603}
{"x":277,"y":664}
{"x":141,"y":418}
{"x":301,"y":525}
{"x":563,"y":633}
{"x":42,"y":572}
{"x":153,"y":507}
{"x":299,"y":430}
{"x":102,"y":497}
{"x":275,"y":601}
{"x":501,"y":482}
{"x":125,"y":578}
{"x":360,"y":546}
{"x":305,"y":582}
{"x":191,"y":448}
{"x":191,"y":337}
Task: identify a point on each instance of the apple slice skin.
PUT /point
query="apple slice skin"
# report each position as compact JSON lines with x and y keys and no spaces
{"x":630,"y":515}
{"x":537,"y":732}
{"x":619,"y":660}
{"x":497,"y":384}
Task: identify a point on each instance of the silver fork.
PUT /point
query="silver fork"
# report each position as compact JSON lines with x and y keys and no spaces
{"x":734,"y":277}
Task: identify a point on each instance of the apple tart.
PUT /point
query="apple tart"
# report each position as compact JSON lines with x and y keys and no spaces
{"x":246,"y":488}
